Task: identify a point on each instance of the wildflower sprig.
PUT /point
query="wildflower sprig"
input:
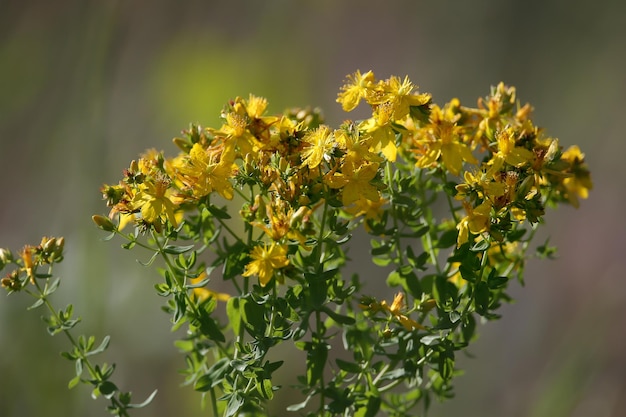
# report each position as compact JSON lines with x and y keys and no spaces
{"x":251,"y":224}
{"x":27,"y":277}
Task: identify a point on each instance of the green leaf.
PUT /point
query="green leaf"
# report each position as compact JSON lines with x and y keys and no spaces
{"x":431,"y":339}
{"x":373,"y":405}
{"x":235,"y":261}
{"x":35,"y":304}
{"x":420,"y":231}
{"x":402,"y":200}
{"x":515,"y":235}
{"x":198,"y":284}
{"x":494,"y":282}
{"x":339,"y":318}
{"x":213,"y":377}
{"x":265,"y":388}
{"x":253,"y":317}
{"x":454,"y":316}
{"x":413,"y":285}
{"x":129,"y":245}
{"x":481,"y":298}
{"x":149,"y":261}
{"x":481,"y":246}
{"x":300,"y":406}
{"x":73,"y":382}
{"x":52,"y":287}
{"x":546,"y":251}
{"x":446,"y":364}
{"x":103,"y":346}
{"x":394,"y":279}
{"x":218,"y":212}
{"x":447,"y":239}
{"x":78,"y":365}
{"x":315,"y":363}
{"x":107,"y":388}
{"x":143,"y":404}
{"x":468,"y":328}
{"x":380,"y":250}
{"x":417,"y":262}
{"x":209,"y":327}
{"x":234,"y":404}
{"x":233,"y":311}
{"x":163,"y":289}
{"x":318,"y":290}
{"x":351,"y":367}
{"x":175,"y":250}
{"x":467,"y":273}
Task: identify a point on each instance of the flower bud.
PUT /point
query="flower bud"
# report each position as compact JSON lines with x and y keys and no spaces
{"x":6,"y":257}
{"x":182,"y":144}
{"x":48,"y":244}
{"x":103,"y":223}
{"x":57,"y":251}
{"x":12,"y":281}
{"x":525,"y":187}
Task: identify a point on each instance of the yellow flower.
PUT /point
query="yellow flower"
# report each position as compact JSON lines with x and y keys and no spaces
{"x":356,"y":147}
{"x":483,"y":182}
{"x":204,"y":171}
{"x":371,"y":209}
{"x":477,"y":221}
{"x":265,"y":261}
{"x":441,"y":139}
{"x":255,"y":106}
{"x":396,"y":310}
{"x":507,"y":151}
{"x":355,"y":182}
{"x":284,"y":221}
{"x":355,"y":89}
{"x":579,"y":183}
{"x":383,"y":137}
{"x":202,"y":293}
{"x":318,"y":145}
{"x":237,"y":126}
{"x":29,"y":262}
{"x":154,"y":200}
{"x":400,"y":94}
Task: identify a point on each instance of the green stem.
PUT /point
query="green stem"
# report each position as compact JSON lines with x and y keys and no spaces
{"x":83,"y":357}
{"x":319,"y":332}
{"x":213,"y":401}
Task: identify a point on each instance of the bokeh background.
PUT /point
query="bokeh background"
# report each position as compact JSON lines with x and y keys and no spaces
{"x":87,"y":85}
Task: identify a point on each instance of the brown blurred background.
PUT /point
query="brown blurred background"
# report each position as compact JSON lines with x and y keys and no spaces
{"x":87,"y":85}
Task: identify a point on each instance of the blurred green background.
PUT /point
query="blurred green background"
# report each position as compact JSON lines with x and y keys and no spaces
{"x":87,"y":85}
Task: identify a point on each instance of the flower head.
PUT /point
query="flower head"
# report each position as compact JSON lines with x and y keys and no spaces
{"x":265,"y":261}
{"x":579,"y":182}
{"x":477,"y":221}
{"x":154,"y":201}
{"x":318,"y":145}
{"x":206,"y":170}
{"x":354,"y":181}
{"x":355,"y":89}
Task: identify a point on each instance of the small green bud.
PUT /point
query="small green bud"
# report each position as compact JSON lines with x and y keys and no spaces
{"x":103,"y":223}
{"x":57,"y":252}
{"x":525,"y":187}
{"x":183,"y":144}
{"x":6,"y":257}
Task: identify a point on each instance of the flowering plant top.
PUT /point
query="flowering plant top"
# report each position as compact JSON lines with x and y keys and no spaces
{"x":251,"y":225}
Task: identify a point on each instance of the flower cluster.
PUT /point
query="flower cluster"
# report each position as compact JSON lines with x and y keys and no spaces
{"x":450,"y":197}
{"x":48,"y":252}
{"x":505,"y":169}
